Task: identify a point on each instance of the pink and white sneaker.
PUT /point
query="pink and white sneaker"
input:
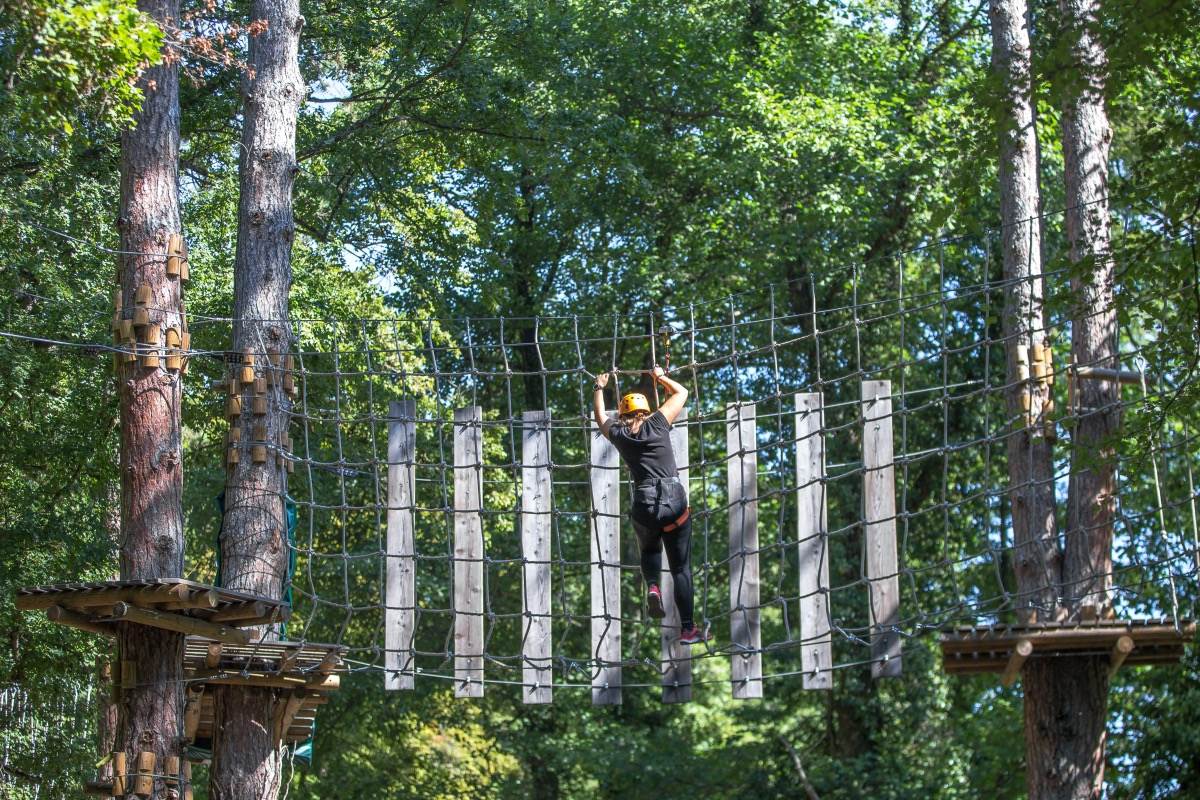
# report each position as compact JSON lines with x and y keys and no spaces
{"x":654,"y":602}
{"x":694,"y":635}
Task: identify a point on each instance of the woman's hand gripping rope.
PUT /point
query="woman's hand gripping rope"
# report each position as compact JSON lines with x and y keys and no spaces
{"x":677,"y":394}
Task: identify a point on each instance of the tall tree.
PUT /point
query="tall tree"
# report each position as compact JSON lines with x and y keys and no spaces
{"x":1067,"y":728}
{"x":254,"y":549}
{"x":150,"y":398}
{"x":1030,"y":453}
{"x":1037,"y":558}
{"x":1086,"y":138}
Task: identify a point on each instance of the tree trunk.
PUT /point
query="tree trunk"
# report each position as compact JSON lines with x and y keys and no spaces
{"x":1065,"y":697}
{"x":1067,"y":729}
{"x":247,"y":761}
{"x":254,"y":550}
{"x":525,"y":257}
{"x":1065,"y":708}
{"x":1037,"y":560}
{"x":151,"y":465}
{"x":1086,"y":136}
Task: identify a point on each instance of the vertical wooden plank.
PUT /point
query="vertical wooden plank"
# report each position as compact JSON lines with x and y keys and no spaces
{"x":676,"y":658}
{"x":536,"y":653}
{"x":812,"y":534}
{"x":468,"y":552}
{"x":400,"y":592}
{"x":879,"y":528}
{"x":606,"y":570}
{"x":742,"y":481}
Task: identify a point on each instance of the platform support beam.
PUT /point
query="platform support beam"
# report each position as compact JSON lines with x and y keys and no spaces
{"x":1121,"y":650}
{"x":1016,"y":661}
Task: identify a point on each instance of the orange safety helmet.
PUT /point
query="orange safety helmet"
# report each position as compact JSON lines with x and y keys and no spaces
{"x":634,"y":401}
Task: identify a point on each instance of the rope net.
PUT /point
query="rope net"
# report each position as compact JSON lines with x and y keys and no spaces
{"x":928,"y":322}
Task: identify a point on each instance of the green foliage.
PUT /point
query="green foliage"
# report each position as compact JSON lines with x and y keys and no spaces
{"x":58,"y":477}
{"x":65,"y":60}
{"x":470,"y":159}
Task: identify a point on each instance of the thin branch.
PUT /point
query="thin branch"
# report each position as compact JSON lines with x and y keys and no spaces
{"x":389,"y":97}
{"x":954,"y":36}
{"x":453,"y":128}
{"x":804,"y":781}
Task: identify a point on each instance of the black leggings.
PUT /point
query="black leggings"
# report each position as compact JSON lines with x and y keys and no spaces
{"x":678,"y":544}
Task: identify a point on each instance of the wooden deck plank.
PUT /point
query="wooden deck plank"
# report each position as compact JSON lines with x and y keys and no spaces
{"x":468,"y":552}
{"x":288,"y":658}
{"x":744,"y":613}
{"x":537,"y":673}
{"x":143,"y":583}
{"x":879,"y":528}
{"x":400,"y":578}
{"x":812,"y":535}
{"x":605,"y":570}
{"x":990,"y":649}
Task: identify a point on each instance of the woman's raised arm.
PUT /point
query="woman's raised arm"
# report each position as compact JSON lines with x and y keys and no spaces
{"x":602,"y":419}
{"x":677,"y":394}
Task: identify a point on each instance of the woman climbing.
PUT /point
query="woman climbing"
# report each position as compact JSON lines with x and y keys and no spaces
{"x":660,"y":510}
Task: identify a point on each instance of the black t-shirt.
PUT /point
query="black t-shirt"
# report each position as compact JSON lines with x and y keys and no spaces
{"x":647,"y":452}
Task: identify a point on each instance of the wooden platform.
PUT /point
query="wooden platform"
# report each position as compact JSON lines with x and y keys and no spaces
{"x":1005,"y":648}
{"x":172,"y":604}
{"x":309,"y":670}
{"x":294,"y":721}
{"x":290,"y":664}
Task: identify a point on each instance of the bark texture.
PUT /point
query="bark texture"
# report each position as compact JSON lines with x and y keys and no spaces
{"x":1066,"y":704}
{"x":246,"y":760}
{"x":151,"y":467}
{"x":254,"y":551}
{"x":1037,"y":561}
{"x":1086,"y":137}
{"x":1066,"y":699}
